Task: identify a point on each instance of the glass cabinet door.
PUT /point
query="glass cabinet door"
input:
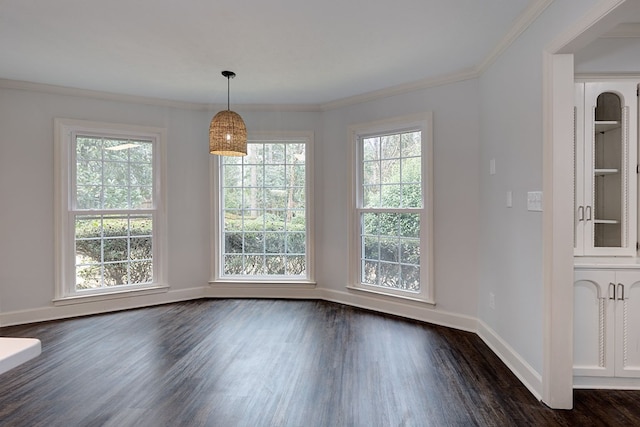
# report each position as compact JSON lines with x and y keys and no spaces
{"x":606,"y":147}
{"x":608,"y":180}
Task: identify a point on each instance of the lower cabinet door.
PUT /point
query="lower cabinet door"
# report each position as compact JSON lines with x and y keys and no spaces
{"x":627,"y":325}
{"x":593,"y":323}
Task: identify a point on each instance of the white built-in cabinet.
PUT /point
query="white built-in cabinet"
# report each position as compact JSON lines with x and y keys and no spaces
{"x":607,"y":322}
{"x":605,"y":169}
{"x":606,"y":350}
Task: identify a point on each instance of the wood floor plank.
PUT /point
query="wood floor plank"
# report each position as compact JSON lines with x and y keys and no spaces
{"x":275,"y":363}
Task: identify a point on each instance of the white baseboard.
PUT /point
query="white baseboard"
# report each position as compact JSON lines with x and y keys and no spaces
{"x":403,"y":308}
{"x":96,"y":307}
{"x":262,"y":290}
{"x":612,"y":383}
{"x":520,"y":368}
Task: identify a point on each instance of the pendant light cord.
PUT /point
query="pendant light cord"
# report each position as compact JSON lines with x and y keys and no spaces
{"x":228,"y":88}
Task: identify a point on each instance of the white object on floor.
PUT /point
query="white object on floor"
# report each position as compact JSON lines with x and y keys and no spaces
{"x":16,"y":351}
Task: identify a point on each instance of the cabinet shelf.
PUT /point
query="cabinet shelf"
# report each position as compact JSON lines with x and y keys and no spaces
{"x":602,"y":172}
{"x":606,"y":125}
{"x":606,"y":221}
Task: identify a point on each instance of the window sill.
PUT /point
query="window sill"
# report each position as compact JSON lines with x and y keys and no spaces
{"x":124,"y":293}
{"x":387,"y":294}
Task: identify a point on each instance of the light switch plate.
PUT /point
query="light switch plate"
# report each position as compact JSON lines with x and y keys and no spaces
{"x":534,"y":201}
{"x":492,"y":167}
{"x":509,"y":199}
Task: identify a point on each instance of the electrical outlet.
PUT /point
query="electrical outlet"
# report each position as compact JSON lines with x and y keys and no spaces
{"x":492,"y":300}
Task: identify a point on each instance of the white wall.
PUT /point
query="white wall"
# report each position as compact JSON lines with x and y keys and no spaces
{"x":455,"y":137}
{"x":609,"y":55}
{"x":511,"y":238}
{"x":26,"y":193}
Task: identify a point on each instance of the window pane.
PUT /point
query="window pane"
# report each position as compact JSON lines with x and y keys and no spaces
{"x":371,"y":148}
{"x":410,"y":251}
{"x":389,"y":275}
{"x":89,"y":172}
{"x":232,"y":176}
{"x":274,"y":153}
{"x":411,"y":144}
{"x":410,"y":278}
{"x":275,"y":264}
{"x":269,"y":187}
{"x":141,"y":174}
{"x":140,"y":225}
{"x":411,"y":196}
{"x":140,"y":272}
{"x":88,"y":148}
{"x":389,"y":249}
{"x":371,"y":196}
{"x":370,"y":272}
{"x":89,"y":197}
{"x":254,"y":265}
{"x":233,"y":264}
{"x":390,"y":241}
{"x":113,"y":250}
{"x":295,"y":243}
{"x":88,"y":276}
{"x":274,"y":176}
{"x":296,"y":265}
{"x":141,"y":197}
{"x":275,"y":243}
{"x":371,"y":173}
{"x":409,"y":225}
{"x":390,"y":171}
{"x":233,"y":243}
{"x":390,"y":146}
{"x":254,"y":243}
{"x":115,"y":198}
{"x":371,"y":248}
{"x":140,"y":248}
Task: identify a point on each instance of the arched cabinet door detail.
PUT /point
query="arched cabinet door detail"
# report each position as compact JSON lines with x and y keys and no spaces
{"x":628,"y":322}
{"x":593,"y":324}
{"x":606,"y":325}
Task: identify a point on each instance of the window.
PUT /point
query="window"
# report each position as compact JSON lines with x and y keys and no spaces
{"x":263,"y":230}
{"x":109,"y":215}
{"x":392,"y":208}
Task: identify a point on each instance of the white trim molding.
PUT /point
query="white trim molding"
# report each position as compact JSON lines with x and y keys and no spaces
{"x":531,"y":379}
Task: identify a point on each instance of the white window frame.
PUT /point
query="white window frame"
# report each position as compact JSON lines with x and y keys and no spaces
{"x":419,"y":122}
{"x":65,"y":131}
{"x":217,"y":236}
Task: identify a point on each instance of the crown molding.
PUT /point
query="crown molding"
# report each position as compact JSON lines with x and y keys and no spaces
{"x":523,"y":22}
{"x":573,"y":37}
{"x":157,"y":102}
{"x":531,"y":13}
{"x":402,"y":89}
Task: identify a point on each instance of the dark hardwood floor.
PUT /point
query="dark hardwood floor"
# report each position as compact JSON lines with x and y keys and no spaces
{"x":275,"y":363}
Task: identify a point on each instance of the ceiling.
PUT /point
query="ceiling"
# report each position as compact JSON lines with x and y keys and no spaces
{"x":283,"y":51}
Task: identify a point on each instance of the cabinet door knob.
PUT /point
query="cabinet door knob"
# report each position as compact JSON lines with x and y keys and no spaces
{"x":621,"y":294}
{"x":580,"y":213}
{"x":612,"y":286}
{"x":588,"y":213}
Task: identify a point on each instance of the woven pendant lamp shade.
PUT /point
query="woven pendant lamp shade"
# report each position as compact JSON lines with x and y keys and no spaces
{"x":228,"y":134}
